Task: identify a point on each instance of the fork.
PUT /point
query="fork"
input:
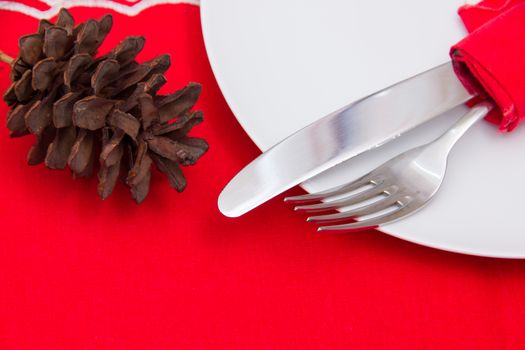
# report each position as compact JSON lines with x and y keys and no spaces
{"x":394,"y":190}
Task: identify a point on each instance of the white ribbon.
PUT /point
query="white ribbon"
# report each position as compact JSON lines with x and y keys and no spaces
{"x":134,"y":7}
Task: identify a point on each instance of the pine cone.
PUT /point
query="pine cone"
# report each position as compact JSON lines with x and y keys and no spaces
{"x":72,"y":101}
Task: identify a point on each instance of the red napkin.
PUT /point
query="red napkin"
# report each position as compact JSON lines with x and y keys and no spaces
{"x":490,"y":61}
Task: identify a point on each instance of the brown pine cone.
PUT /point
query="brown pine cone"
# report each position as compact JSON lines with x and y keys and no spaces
{"x":72,"y":101}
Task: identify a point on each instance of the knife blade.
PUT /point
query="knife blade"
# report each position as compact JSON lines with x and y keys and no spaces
{"x":356,"y":128}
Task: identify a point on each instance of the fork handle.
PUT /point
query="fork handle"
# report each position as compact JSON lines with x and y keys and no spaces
{"x":452,"y":135}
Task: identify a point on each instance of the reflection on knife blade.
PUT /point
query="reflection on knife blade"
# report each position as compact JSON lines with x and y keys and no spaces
{"x":346,"y":133}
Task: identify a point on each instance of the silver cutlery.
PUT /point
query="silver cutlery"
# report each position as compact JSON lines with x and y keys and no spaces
{"x":394,"y":190}
{"x":344,"y":134}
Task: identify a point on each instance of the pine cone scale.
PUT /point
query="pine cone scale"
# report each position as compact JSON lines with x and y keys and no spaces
{"x":59,"y":150}
{"x":63,"y":109}
{"x":43,"y":74}
{"x":112,"y":149}
{"x":141,"y":190}
{"x":141,"y":166}
{"x":75,"y":67}
{"x":10,"y":95}
{"x":43,"y":25}
{"x":108,"y":177}
{"x":149,"y":112}
{"x":37,"y":153}
{"x":81,"y":152}
{"x":91,"y":112}
{"x":23,"y":88}
{"x":106,"y":73}
{"x":31,"y":48}
{"x":172,"y":171}
{"x":65,"y":20}
{"x":16,"y":122}
{"x":174,"y":105}
{"x":57,"y":42}
{"x":38,"y":117}
{"x":128,"y":49}
{"x":125,"y":122}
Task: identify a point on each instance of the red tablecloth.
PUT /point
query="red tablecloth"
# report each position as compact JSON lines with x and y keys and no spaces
{"x":79,"y":273}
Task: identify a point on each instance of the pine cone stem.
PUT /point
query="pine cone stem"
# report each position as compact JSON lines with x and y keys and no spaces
{"x":6,"y":58}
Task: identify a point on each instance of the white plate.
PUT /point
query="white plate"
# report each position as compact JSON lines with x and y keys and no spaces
{"x":283,"y":64}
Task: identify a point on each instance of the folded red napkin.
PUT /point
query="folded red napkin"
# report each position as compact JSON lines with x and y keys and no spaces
{"x":490,"y":61}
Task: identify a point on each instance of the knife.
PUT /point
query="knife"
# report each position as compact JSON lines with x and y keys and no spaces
{"x":356,"y":128}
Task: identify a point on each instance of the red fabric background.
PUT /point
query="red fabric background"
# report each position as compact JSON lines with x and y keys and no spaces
{"x":79,"y":273}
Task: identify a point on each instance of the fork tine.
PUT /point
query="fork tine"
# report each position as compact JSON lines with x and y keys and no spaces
{"x":335,"y":191}
{"x":374,"y":222}
{"x":361,"y":211}
{"x":351,"y":200}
